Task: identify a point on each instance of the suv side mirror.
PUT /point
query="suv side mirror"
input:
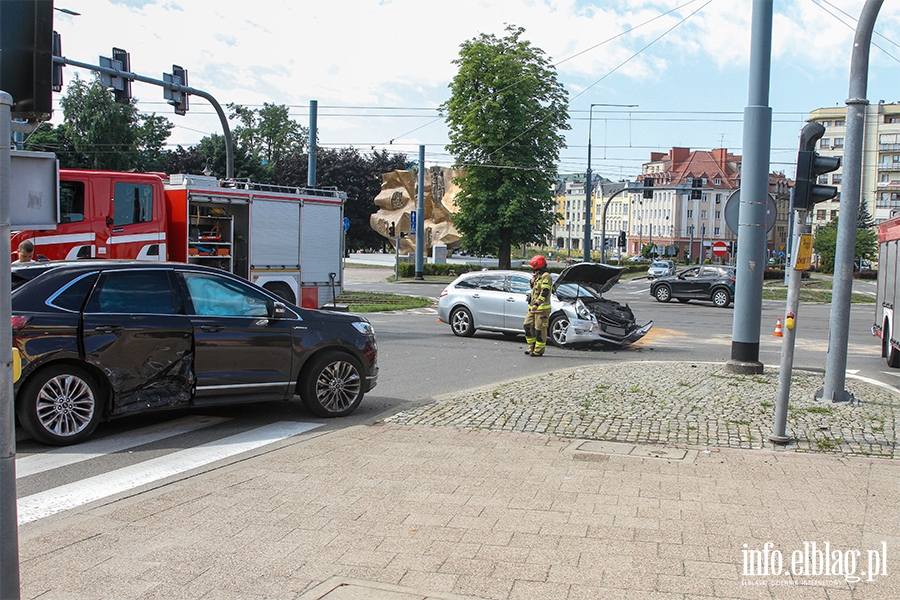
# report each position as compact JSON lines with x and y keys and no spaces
{"x":278,"y":310}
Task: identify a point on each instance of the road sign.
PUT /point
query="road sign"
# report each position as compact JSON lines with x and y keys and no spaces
{"x":346,"y":223}
{"x":733,"y":207}
{"x":720,"y":248}
{"x":412,"y":222}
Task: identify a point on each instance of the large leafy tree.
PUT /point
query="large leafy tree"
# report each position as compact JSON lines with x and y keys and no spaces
{"x":268,"y":133}
{"x":506,"y":113}
{"x":98,"y":133}
{"x":209,"y":156}
{"x":351,"y":172}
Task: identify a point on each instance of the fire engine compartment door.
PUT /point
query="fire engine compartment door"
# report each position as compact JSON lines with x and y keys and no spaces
{"x":275,"y":239}
{"x":321,"y":251}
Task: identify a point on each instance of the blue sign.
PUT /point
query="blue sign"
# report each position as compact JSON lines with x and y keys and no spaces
{"x":412,"y":222}
{"x":346,"y":223}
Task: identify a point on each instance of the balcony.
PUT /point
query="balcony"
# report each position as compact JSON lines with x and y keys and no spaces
{"x":891,"y":166}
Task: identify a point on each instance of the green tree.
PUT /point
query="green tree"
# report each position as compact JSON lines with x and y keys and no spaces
{"x":268,"y":133}
{"x":209,"y":155}
{"x":351,"y":172}
{"x":98,"y":133}
{"x":505,"y":115}
{"x":825,"y":244}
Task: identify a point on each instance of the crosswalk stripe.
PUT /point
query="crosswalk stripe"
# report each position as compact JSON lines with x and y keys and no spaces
{"x":65,"y":497}
{"x":63,"y":457}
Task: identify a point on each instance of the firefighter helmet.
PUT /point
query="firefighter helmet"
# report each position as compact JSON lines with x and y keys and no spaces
{"x":538,"y":262}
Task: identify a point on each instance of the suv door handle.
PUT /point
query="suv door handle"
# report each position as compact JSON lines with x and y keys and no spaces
{"x":212,"y":328}
{"x":108,"y":328}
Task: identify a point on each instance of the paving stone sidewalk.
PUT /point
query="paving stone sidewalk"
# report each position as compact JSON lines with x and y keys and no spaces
{"x":684,"y":404}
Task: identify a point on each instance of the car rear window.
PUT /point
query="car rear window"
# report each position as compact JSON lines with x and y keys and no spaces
{"x":73,"y":295}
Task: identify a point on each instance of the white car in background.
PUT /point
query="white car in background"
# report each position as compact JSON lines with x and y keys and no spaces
{"x":661,"y":268}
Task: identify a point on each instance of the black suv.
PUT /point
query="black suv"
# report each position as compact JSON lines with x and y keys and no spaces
{"x":706,"y":282}
{"x":102,"y":339}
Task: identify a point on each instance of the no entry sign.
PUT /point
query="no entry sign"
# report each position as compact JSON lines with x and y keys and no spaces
{"x":720,"y":248}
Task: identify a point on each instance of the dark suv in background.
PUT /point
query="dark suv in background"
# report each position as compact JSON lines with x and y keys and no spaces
{"x":714,"y":283}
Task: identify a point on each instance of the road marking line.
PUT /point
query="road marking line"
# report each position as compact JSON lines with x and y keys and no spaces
{"x":63,"y":457}
{"x":65,"y":497}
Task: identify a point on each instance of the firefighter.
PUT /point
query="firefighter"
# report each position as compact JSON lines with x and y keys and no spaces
{"x":538,"y":317}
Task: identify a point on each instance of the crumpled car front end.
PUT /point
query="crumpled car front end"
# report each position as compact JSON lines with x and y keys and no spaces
{"x":593,"y":319}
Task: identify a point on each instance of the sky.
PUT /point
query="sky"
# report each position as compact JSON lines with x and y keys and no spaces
{"x":379,"y":69}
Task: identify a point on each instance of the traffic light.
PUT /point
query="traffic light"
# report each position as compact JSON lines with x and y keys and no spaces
{"x":648,"y":187}
{"x":807,"y":190}
{"x":26,"y":57}
{"x":121,"y":86}
{"x":176,"y":98}
{"x":696,"y":191}
{"x":391,"y":230}
{"x":123,"y":95}
{"x":622,"y":242}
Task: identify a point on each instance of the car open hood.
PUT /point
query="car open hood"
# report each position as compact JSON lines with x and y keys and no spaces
{"x":598,"y":277}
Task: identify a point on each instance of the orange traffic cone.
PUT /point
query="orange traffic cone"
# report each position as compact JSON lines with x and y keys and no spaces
{"x":778,"y":331}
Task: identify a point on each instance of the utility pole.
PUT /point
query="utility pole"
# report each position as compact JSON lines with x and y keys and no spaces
{"x":750,"y":263}
{"x":839,"y":324}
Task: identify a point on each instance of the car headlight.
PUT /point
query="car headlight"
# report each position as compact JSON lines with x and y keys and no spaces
{"x":364,"y":327}
{"x":582,"y":311}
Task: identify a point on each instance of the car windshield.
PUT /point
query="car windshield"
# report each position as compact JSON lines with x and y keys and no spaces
{"x":661,"y":265}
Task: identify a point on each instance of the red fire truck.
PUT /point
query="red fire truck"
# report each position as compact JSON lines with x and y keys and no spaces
{"x":887,"y":294}
{"x":287,"y":240}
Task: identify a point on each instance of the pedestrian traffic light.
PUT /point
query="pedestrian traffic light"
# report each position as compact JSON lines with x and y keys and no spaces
{"x":621,"y":239}
{"x":648,"y":187}
{"x":391,"y":230}
{"x":807,"y":190}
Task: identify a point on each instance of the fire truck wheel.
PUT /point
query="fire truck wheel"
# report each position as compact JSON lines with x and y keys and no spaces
{"x":892,"y":354}
{"x":60,"y":405}
{"x":333,"y":385}
{"x":282,"y":290}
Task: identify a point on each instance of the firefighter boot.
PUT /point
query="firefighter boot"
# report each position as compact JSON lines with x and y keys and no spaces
{"x":529,"y":338}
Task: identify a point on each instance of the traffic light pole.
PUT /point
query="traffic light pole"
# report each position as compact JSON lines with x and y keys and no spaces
{"x":9,"y":519}
{"x":229,"y":151}
{"x":845,"y":251}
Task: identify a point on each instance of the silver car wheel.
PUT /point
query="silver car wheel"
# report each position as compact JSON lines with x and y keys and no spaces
{"x":663,"y":293}
{"x":65,"y":405}
{"x":461,"y":322}
{"x":721,"y":298}
{"x":559,"y":325}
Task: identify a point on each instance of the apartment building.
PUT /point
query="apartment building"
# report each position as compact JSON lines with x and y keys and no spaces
{"x":568,"y":233}
{"x":880,"y":180}
{"x":686,"y":208}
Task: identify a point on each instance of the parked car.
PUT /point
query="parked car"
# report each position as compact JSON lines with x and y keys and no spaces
{"x":103,"y":339}
{"x":706,"y":282}
{"x":497,"y":301}
{"x":637,"y":258}
{"x":661,"y":268}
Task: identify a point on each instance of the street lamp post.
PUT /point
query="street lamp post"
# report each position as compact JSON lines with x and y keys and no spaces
{"x":587,"y":183}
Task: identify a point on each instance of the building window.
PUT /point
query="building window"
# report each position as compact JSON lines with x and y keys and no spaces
{"x":822,"y":179}
{"x":718,"y":214}
{"x":703,"y":214}
{"x":826,"y":123}
{"x":892,"y":119}
{"x":717,"y":232}
{"x":836,"y":178}
{"x":690,"y":214}
{"x":834,"y":214}
{"x":718,"y":198}
{"x":824,"y":143}
{"x":840,"y":123}
{"x":820,"y":215}
{"x":838,"y":143}
{"x":705,"y":198}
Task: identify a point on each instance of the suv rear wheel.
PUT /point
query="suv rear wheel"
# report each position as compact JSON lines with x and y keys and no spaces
{"x":721,"y":297}
{"x":663,"y":293}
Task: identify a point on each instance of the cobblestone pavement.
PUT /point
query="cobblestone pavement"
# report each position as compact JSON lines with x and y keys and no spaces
{"x":673,"y":403}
